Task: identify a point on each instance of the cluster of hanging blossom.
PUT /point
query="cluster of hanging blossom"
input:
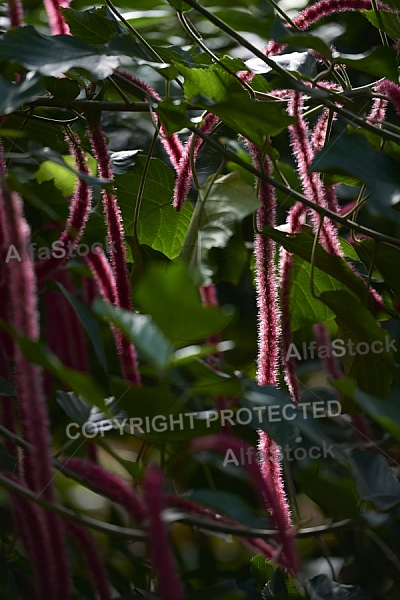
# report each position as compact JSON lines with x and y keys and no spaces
{"x":44,"y":534}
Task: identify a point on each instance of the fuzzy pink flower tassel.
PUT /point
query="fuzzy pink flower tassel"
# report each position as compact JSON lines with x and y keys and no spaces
{"x":222,"y":443}
{"x":15,"y":13}
{"x":169,"y":584}
{"x":172,"y":143}
{"x":319,"y":10}
{"x":116,"y":238}
{"x":113,"y":487}
{"x":79,"y":210}
{"x":24,"y":318}
{"x":57,"y":22}
{"x":92,"y":558}
{"x":184,"y":171}
{"x":391,"y":91}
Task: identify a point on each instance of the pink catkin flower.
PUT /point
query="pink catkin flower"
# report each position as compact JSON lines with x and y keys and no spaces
{"x":92,"y":558}
{"x":110,"y":485}
{"x":15,"y":13}
{"x":172,"y":144}
{"x":79,"y":210}
{"x":116,"y":237}
{"x":184,"y":171}
{"x":391,"y":91}
{"x":24,"y":318}
{"x":31,"y":527}
{"x":223,"y":443}
{"x":57,"y":22}
{"x":319,"y":10}
{"x":317,"y":142}
{"x":266,"y":279}
{"x":169,"y":584}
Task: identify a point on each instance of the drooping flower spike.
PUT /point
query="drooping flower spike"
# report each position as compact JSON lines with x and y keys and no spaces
{"x":57,"y":22}
{"x":116,"y":237}
{"x":24,"y":318}
{"x":223,"y":443}
{"x":324,"y":8}
{"x":169,"y":584}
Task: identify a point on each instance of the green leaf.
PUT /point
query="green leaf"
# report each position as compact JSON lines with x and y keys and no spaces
{"x":92,"y":26}
{"x":65,"y":90}
{"x":176,"y":307}
{"x":305,"y":309}
{"x":6,"y":388}
{"x":14,"y":95}
{"x":74,"y":406}
{"x":387,"y":260}
{"x":384,"y":412}
{"x":173,"y":115}
{"x":54,"y":55}
{"x":302,"y":244}
{"x":90,"y":325}
{"x":261,"y":570}
{"x":141,"y":330}
{"x":302,"y":63}
{"x":306,"y":40}
{"x":379,"y":172}
{"x":375,"y":479}
{"x":61,"y":169}
{"x":321,"y":587}
{"x":357,"y":326}
{"x":222,"y":204}
{"x":389,"y":20}
{"x":219,"y":92}
{"x":160,"y":226}
{"x":228,"y":504}
{"x":179,"y":5}
{"x":380,"y":62}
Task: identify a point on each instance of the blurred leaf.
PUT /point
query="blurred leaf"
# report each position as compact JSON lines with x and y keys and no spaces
{"x":14,"y":95}
{"x":173,"y":115}
{"x":389,"y":20}
{"x":141,"y":330}
{"x":74,"y":406}
{"x":123,"y":161}
{"x":223,"y":202}
{"x":375,"y":479}
{"x":54,"y":55}
{"x":65,"y":90}
{"x":321,"y":587}
{"x":261,"y":569}
{"x":379,"y":61}
{"x":384,"y":412}
{"x":229,"y":504}
{"x":302,"y":63}
{"x":387,"y":260}
{"x":176,"y":307}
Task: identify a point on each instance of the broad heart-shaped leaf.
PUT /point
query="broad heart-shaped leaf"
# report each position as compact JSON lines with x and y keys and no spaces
{"x":54,"y":55}
{"x":358,"y":330}
{"x":223,"y":202}
{"x":379,"y":172}
{"x":375,"y":479}
{"x":219,"y":92}
{"x":160,"y":226}
{"x":170,"y":296}
{"x":301,"y":244}
{"x":384,"y":412}
{"x":14,"y":95}
{"x":65,"y":90}
{"x":89,"y":323}
{"x":90,"y":26}
{"x":305,"y":309}
{"x":141,"y":330}
{"x":380,"y":62}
